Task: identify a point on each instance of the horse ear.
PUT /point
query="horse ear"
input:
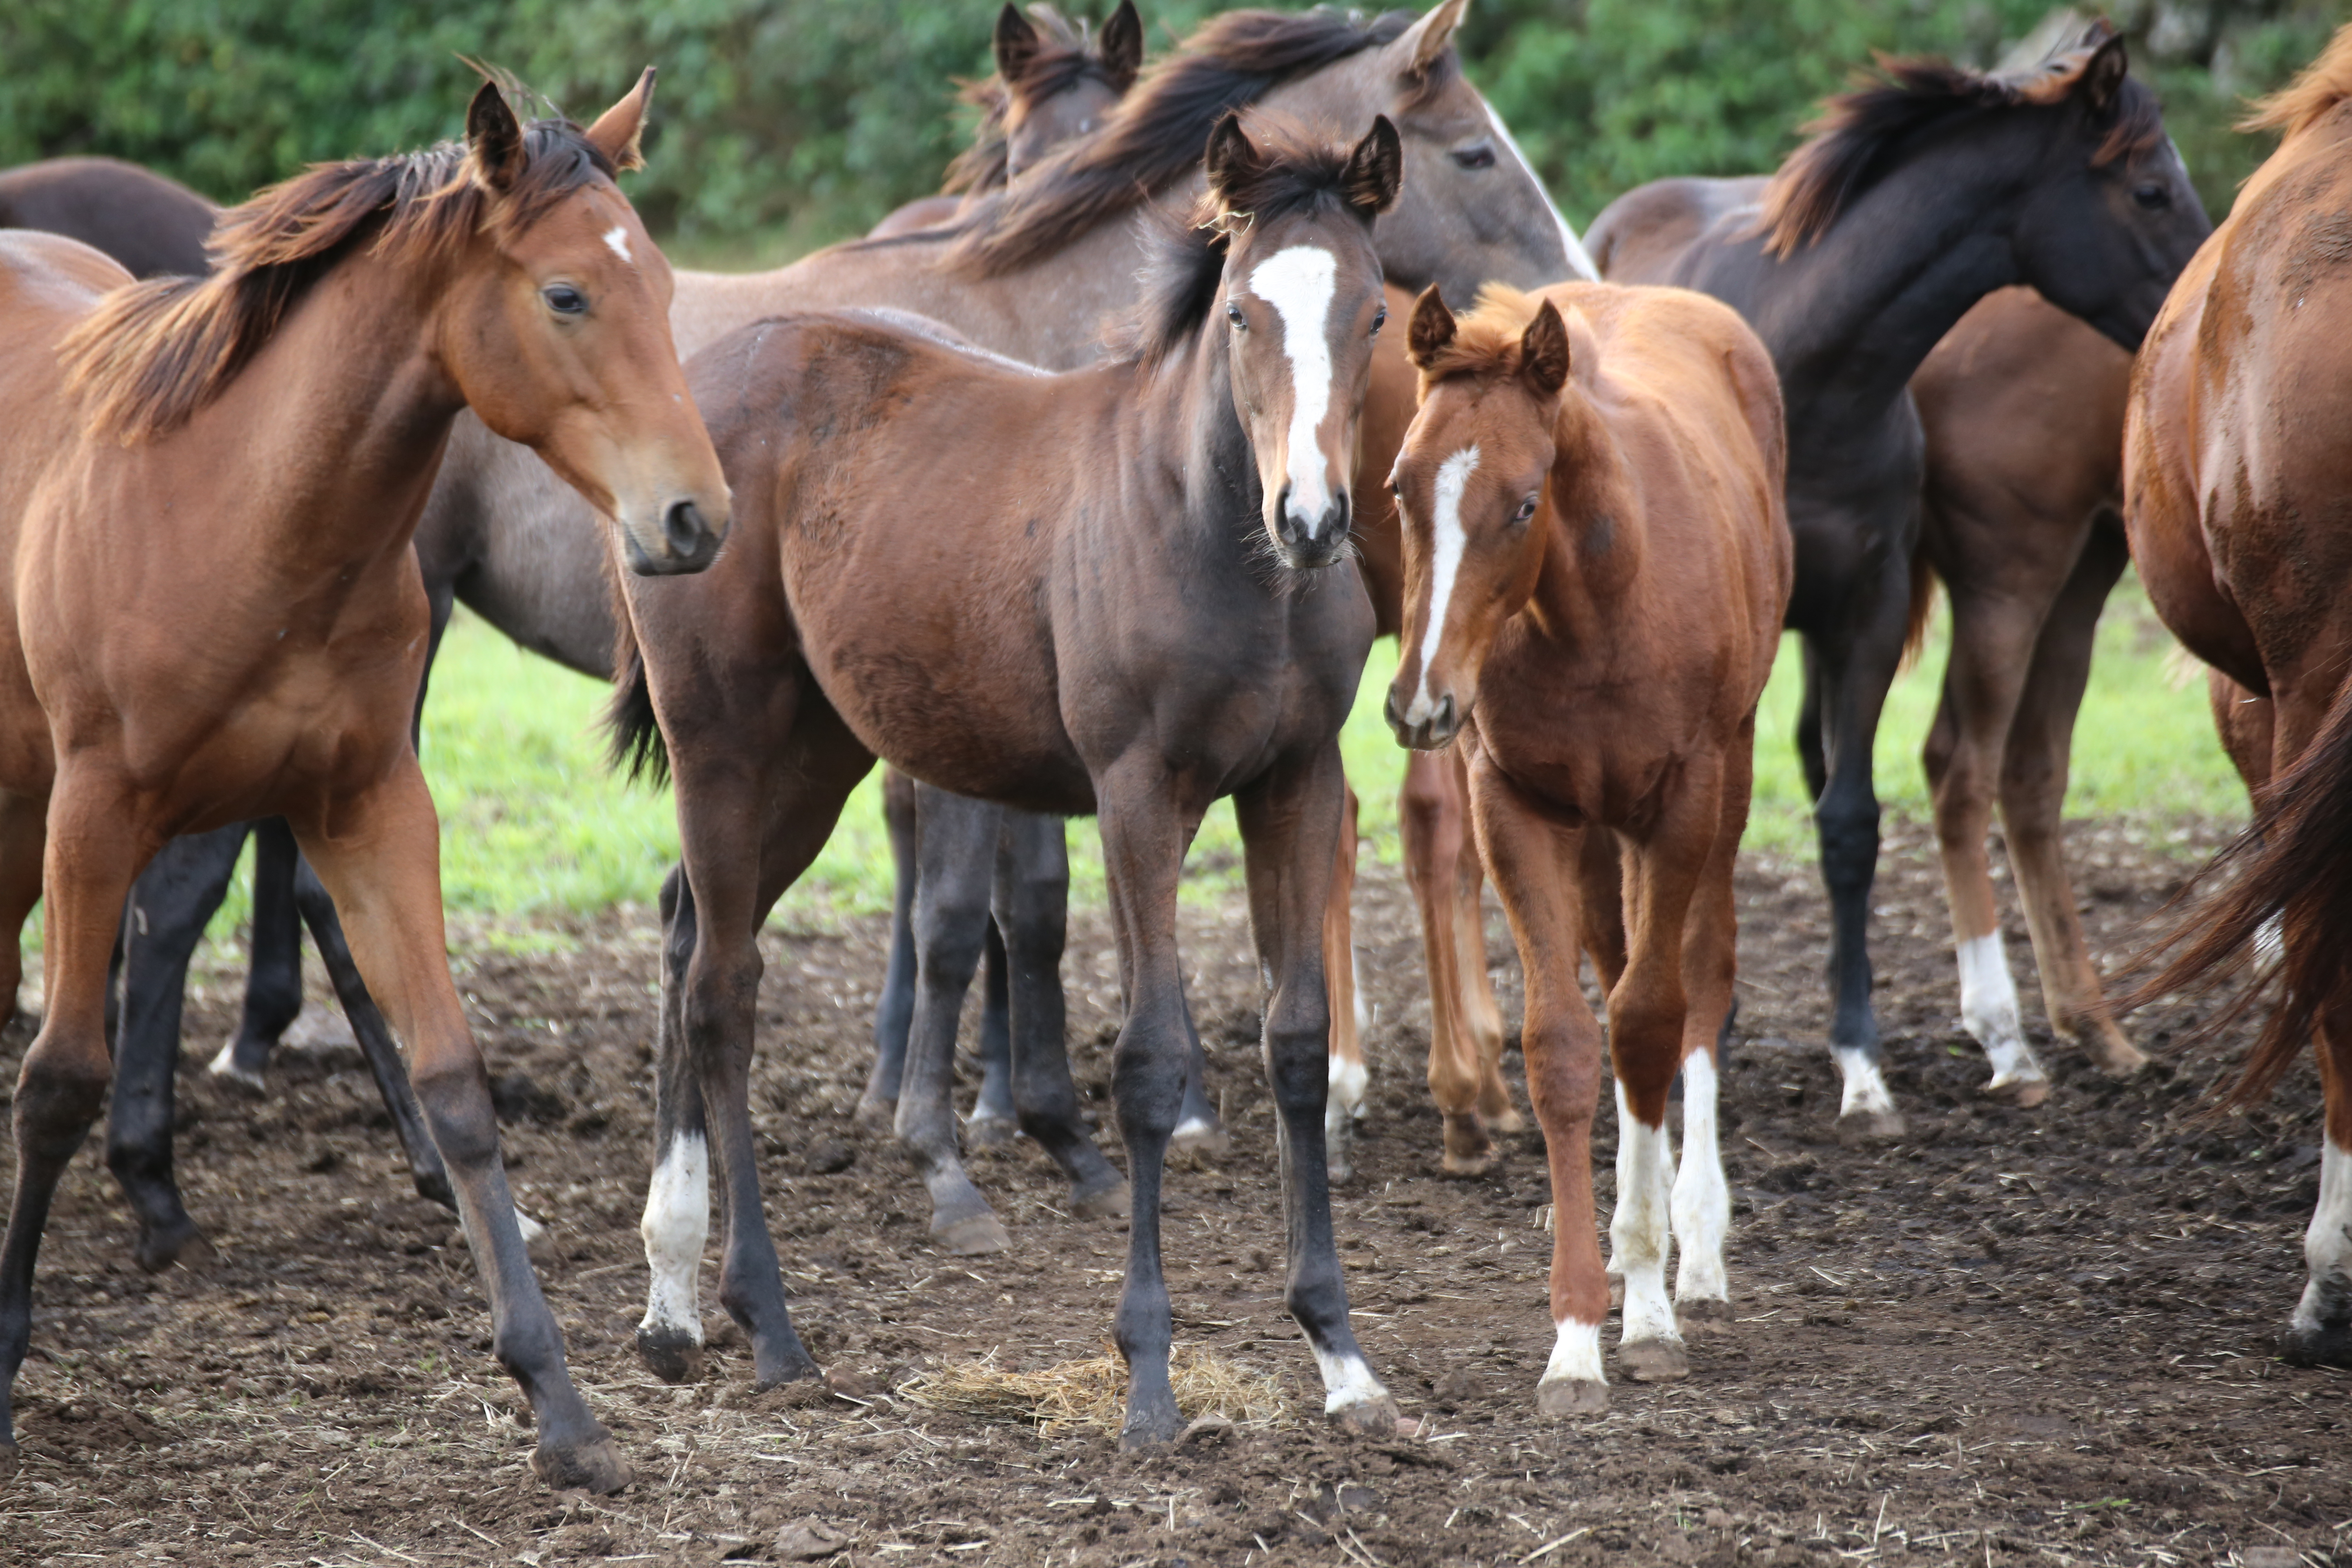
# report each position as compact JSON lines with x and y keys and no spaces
{"x":1544,"y":352}
{"x":1375,"y":170}
{"x":1432,"y":328}
{"x":494,"y":139}
{"x":617,"y":130}
{"x":2102,"y":81}
{"x":1429,"y":38}
{"x":1017,"y":42}
{"x":1231,"y":160}
{"x":1121,"y":45}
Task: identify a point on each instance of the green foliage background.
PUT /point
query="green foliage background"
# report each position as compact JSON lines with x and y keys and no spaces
{"x":783,"y":122}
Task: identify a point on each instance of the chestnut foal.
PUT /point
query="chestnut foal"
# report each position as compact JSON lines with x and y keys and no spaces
{"x":1597,"y":561}
{"x":206,"y":501}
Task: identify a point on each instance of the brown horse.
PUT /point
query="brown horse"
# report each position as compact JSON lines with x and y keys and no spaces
{"x":206,"y":501}
{"x":1134,"y":615}
{"x":2235,"y":479}
{"x":1053,"y":83}
{"x":154,"y":226}
{"x":1596,"y":563}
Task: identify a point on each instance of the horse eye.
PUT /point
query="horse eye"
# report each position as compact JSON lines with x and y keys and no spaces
{"x":1234,"y":314}
{"x":1526,"y":510}
{"x":1479,"y":156}
{"x":564,"y":299}
{"x":2153,"y":196}
{"x":1379,"y":320}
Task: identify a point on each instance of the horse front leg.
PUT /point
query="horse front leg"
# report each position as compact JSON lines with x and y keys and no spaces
{"x":1701,"y":1199}
{"x":378,"y":855}
{"x":273,"y":979}
{"x":1350,"y":1075}
{"x":1433,"y":823}
{"x":1289,"y":823}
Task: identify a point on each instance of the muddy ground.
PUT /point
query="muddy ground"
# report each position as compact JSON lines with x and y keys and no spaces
{"x":2019,"y":1337}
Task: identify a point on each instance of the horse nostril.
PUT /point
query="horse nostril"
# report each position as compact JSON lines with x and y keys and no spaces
{"x":1443,"y":723}
{"x":682,"y":525}
{"x":1342,"y":509}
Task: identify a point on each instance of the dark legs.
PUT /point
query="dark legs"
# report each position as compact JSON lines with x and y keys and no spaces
{"x":677,"y":1222}
{"x":273,"y":986}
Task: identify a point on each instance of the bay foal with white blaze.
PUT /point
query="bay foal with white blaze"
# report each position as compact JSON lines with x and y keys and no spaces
{"x":1597,"y":561}
{"x":206,"y":501}
{"x":1138,"y":602}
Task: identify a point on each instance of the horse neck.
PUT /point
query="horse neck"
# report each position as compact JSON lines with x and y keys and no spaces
{"x":1851,"y":316}
{"x":1191,"y":433}
{"x":1595,"y":539}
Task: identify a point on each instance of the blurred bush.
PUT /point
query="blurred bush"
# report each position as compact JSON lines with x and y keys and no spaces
{"x":820,"y":115}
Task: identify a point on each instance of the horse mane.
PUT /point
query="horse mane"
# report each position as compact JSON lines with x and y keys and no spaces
{"x":1065,"y":57}
{"x":153,"y":353}
{"x":2324,"y":84}
{"x":1185,"y":257}
{"x":1853,"y":143}
{"x":1154,"y":136}
{"x":1486,"y":343}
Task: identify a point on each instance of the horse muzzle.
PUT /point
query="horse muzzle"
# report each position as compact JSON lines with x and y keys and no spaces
{"x":1311,"y":543}
{"x":687,"y":542}
{"x":1424,"y":725}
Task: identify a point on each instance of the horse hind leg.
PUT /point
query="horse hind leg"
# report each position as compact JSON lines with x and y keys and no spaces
{"x":994,"y":1119}
{"x":273,"y":984}
{"x":894,"y":1012}
{"x":1701,"y":1200}
{"x":675,"y":1224}
{"x":1433,"y":824}
{"x":2320,"y":1332}
{"x":1350,"y":1077}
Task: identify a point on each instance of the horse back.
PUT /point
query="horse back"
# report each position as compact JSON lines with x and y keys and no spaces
{"x":1641,"y":237}
{"x":152,"y":225}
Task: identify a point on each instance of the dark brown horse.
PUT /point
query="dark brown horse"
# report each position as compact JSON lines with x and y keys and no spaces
{"x":206,"y":501}
{"x":155,"y":227}
{"x":2236,"y":475}
{"x":1596,"y":565}
{"x":1135,"y":613}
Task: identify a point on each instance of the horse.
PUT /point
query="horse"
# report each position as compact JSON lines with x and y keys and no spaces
{"x":1144,"y":607}
{"x":1916,"y":196}
{"x":156,"y":228}
{"x":1597,"y":561}
{"x":235,"y":463}
{"x":1053,"y":83}
{"x":2234,"y":479}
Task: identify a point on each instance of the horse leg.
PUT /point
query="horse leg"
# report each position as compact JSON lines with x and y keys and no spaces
{"x":273,"y":979}
{"x":381,"y":1051}
{"x":956,"y":867}
{"x":94,"y":849}
{"x":1534,"y":861}
{"x":2320,"y":1332}
{"x":994,"y":1119}
{"x":677,"y":1220}
{"x":1290,"y":823}
{"x":894,"y":1013}
{"x":1701,"y":1200}
{"x":170,"y":906}
{"x":1431,"y":819}
{"x":381,"y":864}
{"x":2244,"y":720}
{"x":1993,"y":635}
{"x":1343,"y":1105}
{"x":1478,"y":1012}
{"x":1030,"y":908}
{"x":2033,"y":798}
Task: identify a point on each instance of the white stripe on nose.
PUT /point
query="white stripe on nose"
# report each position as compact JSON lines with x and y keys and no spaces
{"x":1444,"y":562}
{"x":1298,"y":282}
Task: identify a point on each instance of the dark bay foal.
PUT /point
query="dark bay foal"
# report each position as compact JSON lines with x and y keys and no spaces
{"x":1133,"y":613}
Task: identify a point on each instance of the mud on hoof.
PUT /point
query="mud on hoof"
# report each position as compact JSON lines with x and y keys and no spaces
{"x":875,"y":1115}
{"x":1340,"y":1150}
{"x":670,"y":1353}
{"x":2328,"y":1345}
{"x":1468,"y":1151}
{"x":1506,"y":1123}
{"x":1109,"y":1201}
{"x":1858,"y":1127}
{"x":595,"y":1465}
{"x":990,"y":1132}
{"x":1200,"y":1140}
{"x":1153,"y":1425}
{"x":1712,"y":1311}
{"x":1368,"y":1417}
{"x":182,"y":1244}
{"x":1654,"y":1360}
{"x":973,"y":1235}
{"x":1573,"y":1396}
{"x":225,"y":1067}
{"x":2024,"y":1093}
{"x":2113,"y":1055}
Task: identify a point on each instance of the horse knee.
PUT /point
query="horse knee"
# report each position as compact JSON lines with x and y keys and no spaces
{"x":1564,"y":1074}
{"x":458,"y":1113}
{"x":950,"y":932}
{"x":1848,"y":827}
{"x":1298,"y":1047}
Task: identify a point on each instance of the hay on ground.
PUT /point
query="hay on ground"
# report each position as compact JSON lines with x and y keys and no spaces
{"x":1079,"y":1395}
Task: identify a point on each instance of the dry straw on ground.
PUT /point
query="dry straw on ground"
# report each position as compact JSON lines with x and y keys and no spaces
{"x":1080,"y":1395}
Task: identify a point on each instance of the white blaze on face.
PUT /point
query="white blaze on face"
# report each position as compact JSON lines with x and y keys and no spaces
{"x":676,"y":1225}
{"x":617,"y":240}
{"x":1578,"y":259}
{"x":1298,"y":282}
{"x":1638,"y":1231}
{"x":1988,"y":1012}
{"x":1701,"y":1200}
{"x":1445,"y":541}
{"x":2328,"y":1245}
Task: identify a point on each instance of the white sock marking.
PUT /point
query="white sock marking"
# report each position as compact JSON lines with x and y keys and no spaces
{"x":1447,"y":541}
{"x":532,"y":1229}
{"x":1638,"y":1232}
{"x":1346,"y":1098}
{"x":677,"y":1224}
{"x":1988,"y":1011}
{"x":2328,"y":1245}
{"x":1702,"y":1199}
{"x":617,"y":240}
{"x":1347,"y":1381}
{"x":1297,"y":281}
{"x":1579,"y":260}
{"x":1864,"y":1089}
{"x":1575,"y":1354}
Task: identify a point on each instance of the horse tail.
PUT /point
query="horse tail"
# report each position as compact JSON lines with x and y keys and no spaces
{"x":2293,"y":864}
{"x":639,"y":747}
{"x":1923,"y":600}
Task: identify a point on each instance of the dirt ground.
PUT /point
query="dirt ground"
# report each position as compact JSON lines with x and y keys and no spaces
{"x":2018,"y":1337}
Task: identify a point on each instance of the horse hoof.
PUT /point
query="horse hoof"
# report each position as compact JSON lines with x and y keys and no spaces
{"x":973,"y":1237}
{"x":671,"y":1354}
{"x":1153,"y":1426}
{"x":1464,"y":1167}
{"x":1710,"y":1309}
{"x":875,"y":1115}
{"x":1339,"y":1172}
{"x":1368,"y":1418}
{"x":1109,"y":1201}
{"x":595,"y":1465}
{"x":1507,"y":1121}
{"x":182,"y":1244}
{"x":1203,"y":1139}
{"x":2118,"y":1058}
{"x":2024,"y":1093}
{"x":1573,"y":1396}
{"x":2318,"y":1344}
{"x":1654,"y":1360}
{"x":1616,"y":1293}
{"x":1858,"y":1127}
{"x":990,"y":1132}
